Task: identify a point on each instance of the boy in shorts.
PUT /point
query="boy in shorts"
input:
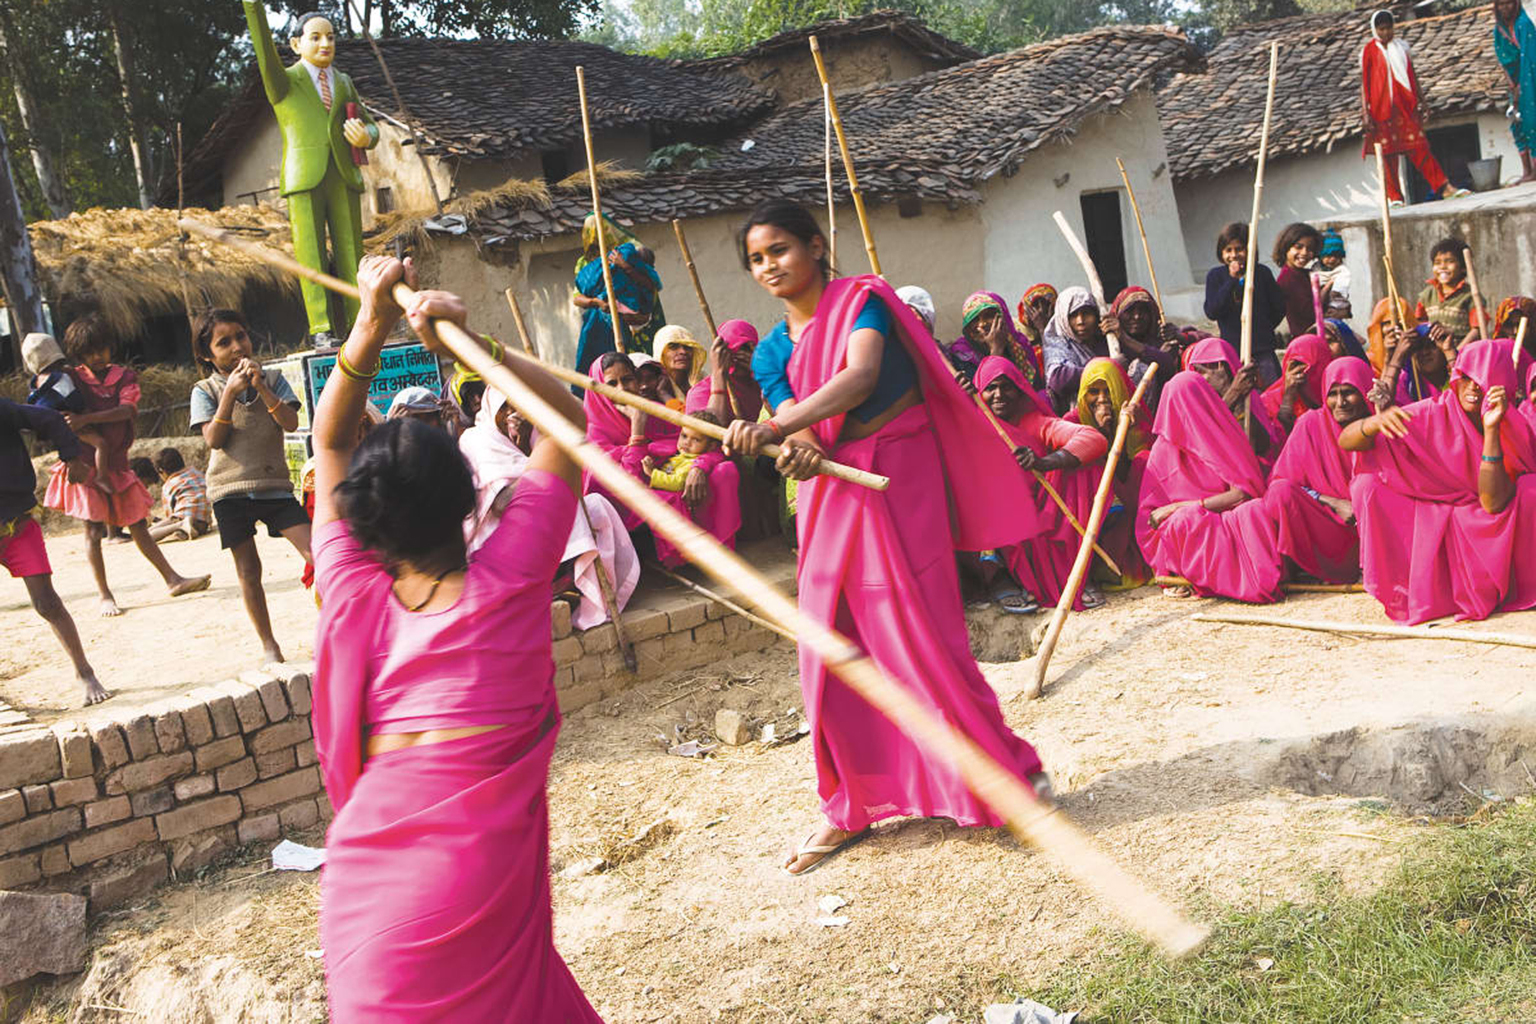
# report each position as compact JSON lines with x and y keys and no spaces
{"x":21,"y":540}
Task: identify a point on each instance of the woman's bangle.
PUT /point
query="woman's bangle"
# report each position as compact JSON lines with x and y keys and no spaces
{"x":495,"y":347}
{"x":1493,"y":458}
{"x":272,"y":409}
{"x":351,"y":372}
{"x":220,"y":419}
{"x":778,"y":431}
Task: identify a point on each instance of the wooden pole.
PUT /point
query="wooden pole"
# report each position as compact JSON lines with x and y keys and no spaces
{"x":1477,"y":296}
{"x":842,"y":145}
{"x":597,"y":211}
{"x":1519,"y":346}
{"x":1317,"y":303}
{"x":826,"y":102}
{"x":1095,"y":285}
{"x":522,"y":326}
{"x":1146,"y":250}
{"x":1289,"y":588}
{"x":1044,"y":825}
{"x":772,"y":627}
{"x":1405,"y":632}
{"x":1085,"y":550}
{"x":709,"y":318}
{"x":1246,"y":350}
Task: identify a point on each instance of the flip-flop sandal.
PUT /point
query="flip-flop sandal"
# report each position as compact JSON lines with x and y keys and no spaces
{"x":1015,"y":601}
{"x":1180,"y":591}
{"x":1460,"y":193}
{"x":822,"y":853}
{"x":1093,"y":598}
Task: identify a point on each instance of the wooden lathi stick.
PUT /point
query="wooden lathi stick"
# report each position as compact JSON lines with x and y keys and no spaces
{"x":1246,"y":349}
{"x":1520,"y":345}
{"x":1045,"y":485}
{"x":1407,"y":632}
{"x":1477,"y":296}
{"x":826,"y":102}
{"x":597,"y":211}
{"x":1317,"y":303}
{"x":1085,"y":550}
{"x":698,"y":290}
{"x":842,"y":145}
{"x":722,"y":601}
{"x":1289,"y":588}
{"x":522,"y":326}
{"x":272,"y":257}
{"x":1071,"y":850}
{"x":1146,"y":250}
{"x":1095,"y":285}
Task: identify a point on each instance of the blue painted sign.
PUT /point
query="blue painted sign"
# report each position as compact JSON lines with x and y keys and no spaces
{"x":401,"y":366}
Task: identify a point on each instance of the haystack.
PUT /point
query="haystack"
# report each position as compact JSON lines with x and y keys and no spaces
{"x":127,"y":263}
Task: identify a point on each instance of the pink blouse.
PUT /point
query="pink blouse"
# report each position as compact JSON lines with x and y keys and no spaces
{"x":485,"y":661}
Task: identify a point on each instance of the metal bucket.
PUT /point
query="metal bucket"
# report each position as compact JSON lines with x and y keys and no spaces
{"x":1484,"y":173}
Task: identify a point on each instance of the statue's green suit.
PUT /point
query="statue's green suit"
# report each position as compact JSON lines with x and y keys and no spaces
{"x":319,"y":179}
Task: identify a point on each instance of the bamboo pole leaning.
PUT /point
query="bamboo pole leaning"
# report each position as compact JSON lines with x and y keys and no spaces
{"x":1146,"y":250}
{"x":1393,"y":299}
{"x":826,"y":103}
{"x":1477,"y":296}
{"x":1470,"y":636}
{"x":1045,"y":826}
{"x":1095,"y":283}
{"x":1246,"y":348}
{"x":597,"y":211}
{"x":522,"y":326}
{"x":1289,"y":588}
{"x":618,"y":396}
{"x":1086,"y":549}
{"x":698,"y":290}
{"x":723,"y":602}
{"x":842,"y":145}
{"x":1520,"y":342}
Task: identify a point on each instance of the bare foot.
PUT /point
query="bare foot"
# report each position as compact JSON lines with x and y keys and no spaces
{"x":818,"y":846}
{"x":94,"y":692}
{"x":108,"y":608}
{"x":272,"y":653}
{"x":190,"y":586}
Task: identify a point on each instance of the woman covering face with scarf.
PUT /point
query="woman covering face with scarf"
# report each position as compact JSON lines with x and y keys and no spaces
{"x":989,"y":331}
{"x":1101,"y":398}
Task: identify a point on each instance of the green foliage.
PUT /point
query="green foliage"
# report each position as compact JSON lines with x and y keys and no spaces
{"x":681,"y":156}
{"x":484,"y":18}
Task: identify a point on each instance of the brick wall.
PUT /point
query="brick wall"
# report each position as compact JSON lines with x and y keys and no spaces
{"x":114,"y":805}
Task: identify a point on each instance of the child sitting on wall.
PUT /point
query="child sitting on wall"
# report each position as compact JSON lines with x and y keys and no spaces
{"x":1334,"y":277}
{"x":1447,"y":298}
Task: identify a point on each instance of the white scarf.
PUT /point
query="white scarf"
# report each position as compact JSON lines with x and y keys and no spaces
{"x":1397,"y":54}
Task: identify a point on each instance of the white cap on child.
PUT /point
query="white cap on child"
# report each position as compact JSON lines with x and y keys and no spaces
{"x":39,"y":351}
{"x":413,"y":399}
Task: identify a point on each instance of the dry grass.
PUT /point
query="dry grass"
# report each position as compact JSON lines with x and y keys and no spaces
{"x":608,"y":173}
{"x":411,"y":224}
{"x":129,"y":265}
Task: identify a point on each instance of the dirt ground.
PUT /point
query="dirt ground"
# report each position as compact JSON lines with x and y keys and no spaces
{"x":1223,"y":764}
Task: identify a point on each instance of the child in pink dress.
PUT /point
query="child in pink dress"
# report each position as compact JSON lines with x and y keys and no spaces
{"x":435,"y":713}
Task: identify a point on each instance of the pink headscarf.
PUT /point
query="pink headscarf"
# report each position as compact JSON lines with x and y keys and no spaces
{"x":749,"y":398}
{"x":1312,"y":351}
{"x":1312,"y":455}
{"x":609,"y":427}
{"x":1201,"y":448}
{"x":1219,"y":350}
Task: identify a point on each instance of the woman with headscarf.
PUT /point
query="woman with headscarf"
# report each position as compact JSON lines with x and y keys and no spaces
{"x":1511,"y":311}
{"x":1341,"y":339}
{"x":1071,"y":457}
{"x":1390,"y":114}
{"x":1417,"y":368}
{"x":730,"y":391}
{"x":1308,"y":495}
{"x":1514,"y":46}
{"x":1102,"y":395}
{"x":635,"y":285}
{"x":920,"y":302}
{"x":1145,"y":337}
{"x":1035,"y":309}
{"x":1072,"y":338}
{"x":988,"y":331}
{"x":1216,"y":361}
{"x":497,"y":447}
{"x":682,"y":361}
{"x":1446,"y":496}
{"x":1198,"y":517}
{"x":625,"y":434}
{"x":1300,"y":387}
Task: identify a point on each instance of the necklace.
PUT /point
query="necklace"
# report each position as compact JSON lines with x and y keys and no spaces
{"x":430,"y":593}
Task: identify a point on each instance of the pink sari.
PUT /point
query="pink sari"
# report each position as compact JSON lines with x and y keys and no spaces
{"x":1041,"y":559}
{"x":879,"y":567}
{"x":1312,"y":351}
{"x":748,"y":397}
{"x":1218,"y":350}
{"x":1201,"y":450}
{"x":1309,"y":533}
{"x":1429,"y":549}
{"x":720,"y":514}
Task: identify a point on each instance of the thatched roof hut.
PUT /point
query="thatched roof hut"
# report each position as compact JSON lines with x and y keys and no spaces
{"x":130,"y":266}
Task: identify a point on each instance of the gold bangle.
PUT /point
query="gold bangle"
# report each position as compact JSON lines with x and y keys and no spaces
{"x":272,"y":409}
{"x":227,"y":423}
{"x":351,"y":372}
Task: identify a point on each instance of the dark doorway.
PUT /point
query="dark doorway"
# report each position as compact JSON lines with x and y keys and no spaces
{"x":1105,"y":239}
{"x":1453,"y":146}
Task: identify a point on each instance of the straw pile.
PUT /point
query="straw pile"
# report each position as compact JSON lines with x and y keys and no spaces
{"x":127,"y":265}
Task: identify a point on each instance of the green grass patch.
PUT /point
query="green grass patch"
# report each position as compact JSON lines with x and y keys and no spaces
{"x":1450,"y":936}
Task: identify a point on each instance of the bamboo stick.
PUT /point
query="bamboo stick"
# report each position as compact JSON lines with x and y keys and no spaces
{"x":1317,"y":307}
{"x":1477,"y":296}
{"x":863,"y":478}
{"x":826,"y":102}
{"x":1245,"y":354}
{"x":709,"y":318}
{"x":1085,"y":550}
{"x":1519,"y":346}
{"x":1146,"y":250}
{"x":842,"y":145}
{"x":522,"y":326}
{"x":1070,"y":849}
{"x":1405,"y":632}
{"x":723,"y":602}
{"x":597,"y":211}
{"x":1095,"y":285}
{"x":1289,"y":588}
{"x":1045,"y":485}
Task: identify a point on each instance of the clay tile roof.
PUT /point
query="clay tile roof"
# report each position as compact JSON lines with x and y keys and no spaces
{"x":1212,"y":121}
{"x":938,"y":136}
{"x":899,"y":24}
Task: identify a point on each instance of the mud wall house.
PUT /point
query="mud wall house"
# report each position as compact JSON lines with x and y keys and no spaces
{"x":1315,"y":171}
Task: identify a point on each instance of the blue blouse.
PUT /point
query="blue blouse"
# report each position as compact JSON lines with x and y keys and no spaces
{"x":898,"y":374}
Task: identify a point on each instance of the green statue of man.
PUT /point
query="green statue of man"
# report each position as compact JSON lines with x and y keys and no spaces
{"x":320,"y":178}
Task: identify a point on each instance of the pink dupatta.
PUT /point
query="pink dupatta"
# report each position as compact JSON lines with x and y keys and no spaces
{"x":1219,"y":350}
{"x":1312,"y":351}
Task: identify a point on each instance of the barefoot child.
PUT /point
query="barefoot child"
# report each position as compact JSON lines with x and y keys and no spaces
{"x":185,"y":491}
{"x":115,"y":497}
{"x":243,"y":412}
{"x":21,"y":539}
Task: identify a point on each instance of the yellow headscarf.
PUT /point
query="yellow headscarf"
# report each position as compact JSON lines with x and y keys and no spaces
{"x":672,"y":334}
{"x":1108,"y":372}
{"x":613,"y":236}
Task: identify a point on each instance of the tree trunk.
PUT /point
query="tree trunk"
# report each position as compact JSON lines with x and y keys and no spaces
{"x":138,"y":140}
{"x":54,"y":193}
{"x":18,"y":269}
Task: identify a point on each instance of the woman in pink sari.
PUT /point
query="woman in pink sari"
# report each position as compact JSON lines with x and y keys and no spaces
{"x":729,"y":389}
{"x":851,"y":375}
{"x":1308,"y":495}
{"x":1300,"y":387}
{"x":1072,"y":458}
{"x":1444,"y":494}
{"x":1216,"y":360}
{"x":435,"y":714}
{"x":1198,"y":518}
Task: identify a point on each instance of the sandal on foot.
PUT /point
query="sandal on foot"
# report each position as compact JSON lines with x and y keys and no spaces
{"x":1180,"y":591}
{"x":1015,"y":601}
{"x":1093,"y":598}
{"x":821,"y":853}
